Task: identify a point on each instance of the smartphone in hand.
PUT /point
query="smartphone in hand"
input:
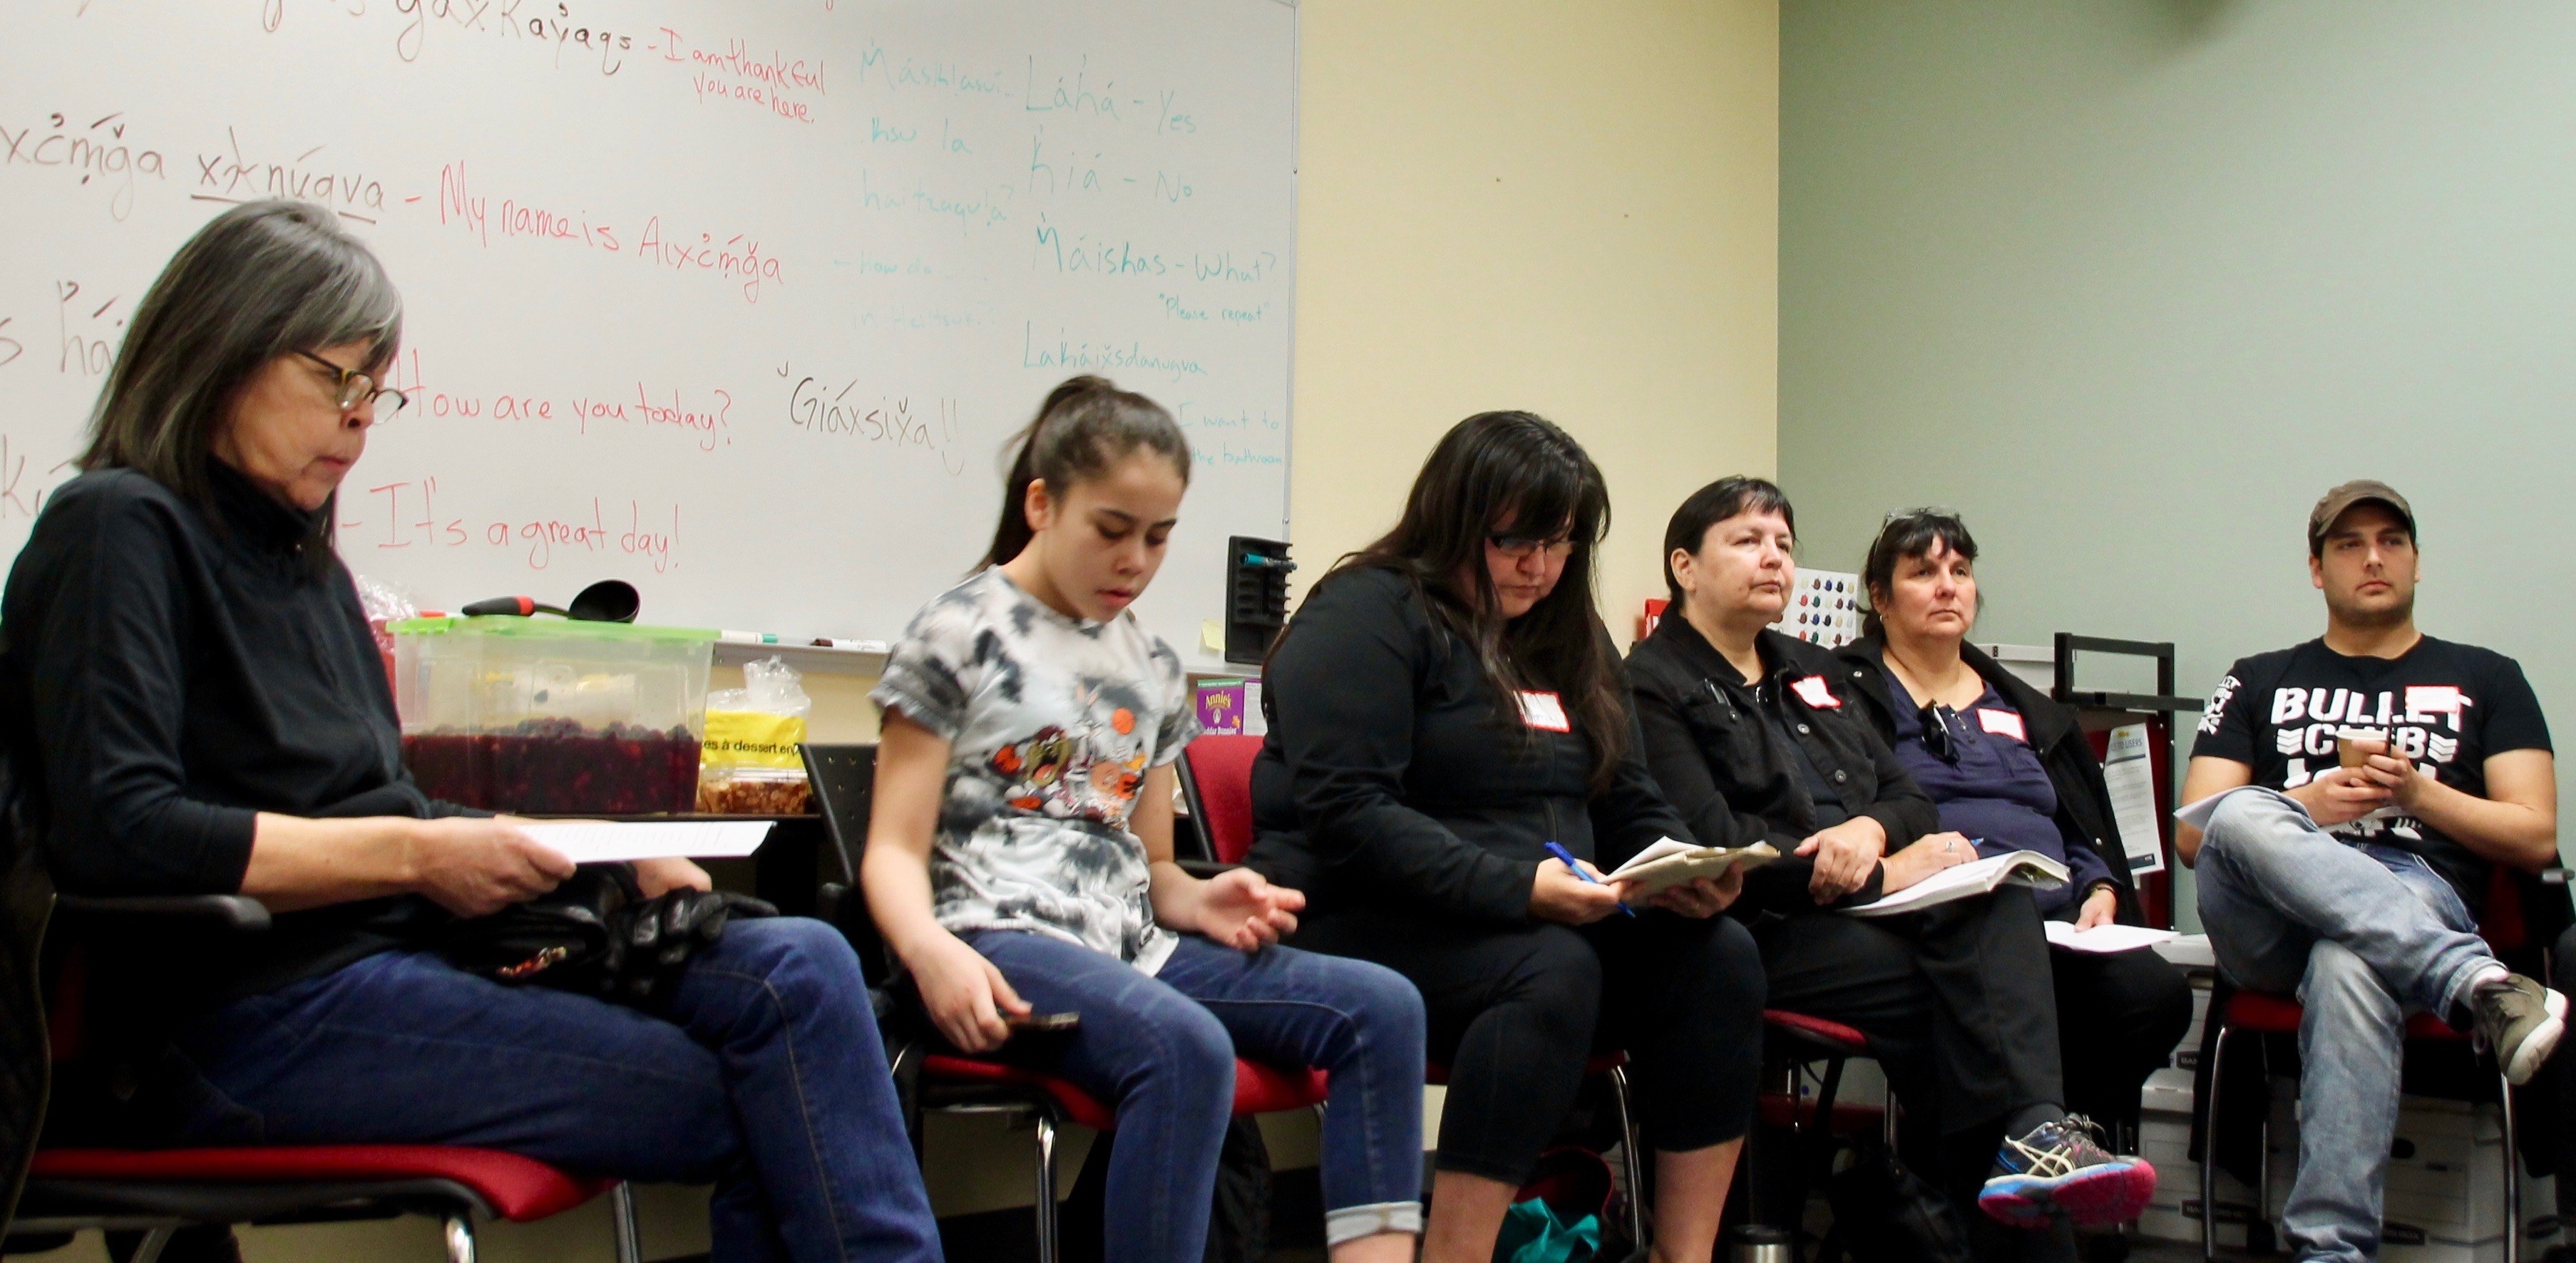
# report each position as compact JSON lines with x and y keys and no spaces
{"x":1042,"y":1023}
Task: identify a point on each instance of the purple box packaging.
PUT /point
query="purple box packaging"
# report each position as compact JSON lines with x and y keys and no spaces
{"x":1220,"y":706}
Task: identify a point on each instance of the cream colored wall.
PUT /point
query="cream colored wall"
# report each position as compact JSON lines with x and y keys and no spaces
{"x":1568,"y":208}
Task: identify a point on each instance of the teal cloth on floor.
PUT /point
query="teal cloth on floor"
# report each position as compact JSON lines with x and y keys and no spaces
{"x":1533,"y":1234}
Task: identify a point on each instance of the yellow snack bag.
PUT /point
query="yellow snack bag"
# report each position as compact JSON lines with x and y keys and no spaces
{"x":748,"y":764}
{"x":752,"y":738}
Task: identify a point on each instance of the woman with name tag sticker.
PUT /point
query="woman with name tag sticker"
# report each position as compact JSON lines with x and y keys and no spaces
{"x":1447,"y":712}
{"x":2012,"y":768}
{"x":1757,"y":736}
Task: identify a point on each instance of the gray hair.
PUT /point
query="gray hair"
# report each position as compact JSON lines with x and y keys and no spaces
{"x":261,"y":280}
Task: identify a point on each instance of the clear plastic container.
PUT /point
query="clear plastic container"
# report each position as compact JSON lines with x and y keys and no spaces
{"x":550,"y":716}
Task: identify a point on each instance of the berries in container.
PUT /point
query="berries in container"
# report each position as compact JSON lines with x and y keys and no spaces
{"x":553,"y":717}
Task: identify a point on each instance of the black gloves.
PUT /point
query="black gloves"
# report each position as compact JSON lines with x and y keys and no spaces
{"x":596,"y":934}
{"x":655,"y":938}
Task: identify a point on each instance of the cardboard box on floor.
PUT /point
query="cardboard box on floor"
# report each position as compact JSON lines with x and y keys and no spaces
{"x":2443,"y":1202}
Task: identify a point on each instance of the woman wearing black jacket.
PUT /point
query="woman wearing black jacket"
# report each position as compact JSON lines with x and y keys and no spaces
{"x":193,"y":705}
{"x":1756,"y":737}
{"x":2013,"y":767}
{"x":1444,"y":708}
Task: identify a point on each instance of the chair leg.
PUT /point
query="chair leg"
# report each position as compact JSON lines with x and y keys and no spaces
{"x":154,"y":1242}
{"x":1634,"y":1161}
{"x":621,"y":1210}
{"x":2209,"y":1150}
{"x":2512,"y":1174}
{"x":2258,"y":1226}
{"x":1816,"y":1150}
{"x":459,"y":1228}
{"x":1044,"y":1206}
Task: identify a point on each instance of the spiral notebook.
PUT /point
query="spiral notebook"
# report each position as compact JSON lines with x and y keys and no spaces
{"x":1976,"y":877}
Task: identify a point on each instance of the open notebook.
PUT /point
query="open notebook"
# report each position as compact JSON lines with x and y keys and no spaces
{"x":1976,"y":877}
{"x":1669,"y":863}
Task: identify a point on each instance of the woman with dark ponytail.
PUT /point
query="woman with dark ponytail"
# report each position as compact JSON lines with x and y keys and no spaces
{"x":1019,"y":861}
{"x":1448,"y":718}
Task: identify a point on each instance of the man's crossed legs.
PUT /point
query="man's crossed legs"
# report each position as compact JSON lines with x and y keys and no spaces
{"x":2364,"y":935}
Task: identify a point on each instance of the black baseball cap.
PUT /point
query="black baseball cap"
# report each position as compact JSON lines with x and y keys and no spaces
{"x":2359,"y":491}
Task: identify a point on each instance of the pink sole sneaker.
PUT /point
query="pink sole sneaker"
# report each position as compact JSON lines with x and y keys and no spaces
{"x":2097,"y":1196}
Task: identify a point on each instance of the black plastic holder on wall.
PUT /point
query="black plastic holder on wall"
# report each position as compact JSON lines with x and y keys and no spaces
{"x":1256,"y":595}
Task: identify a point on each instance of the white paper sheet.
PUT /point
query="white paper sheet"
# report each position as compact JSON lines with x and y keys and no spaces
{"x":2196,"y":814}
{"x":687,"y":839}
{"x":2103,"y":938}
{"x":2130,"y":773}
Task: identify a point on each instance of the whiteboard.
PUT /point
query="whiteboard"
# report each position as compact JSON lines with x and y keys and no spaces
{"x":736,"y":302}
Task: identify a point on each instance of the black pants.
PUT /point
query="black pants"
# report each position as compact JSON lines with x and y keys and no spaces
{"x":2119,"y":1016}
{"x":1959,"y":1010}
{"x":1516,"y":1010}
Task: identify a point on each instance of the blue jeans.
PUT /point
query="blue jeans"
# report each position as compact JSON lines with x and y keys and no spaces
{"x":2364,"y":935}
{"x":1161,"y":1051}
{"x":767,"y":1080}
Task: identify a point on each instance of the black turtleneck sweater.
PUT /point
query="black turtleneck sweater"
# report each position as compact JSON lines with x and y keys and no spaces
{"x":172,"y":669}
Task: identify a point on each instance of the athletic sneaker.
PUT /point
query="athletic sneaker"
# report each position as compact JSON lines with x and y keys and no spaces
{"x":2520,"y":1022}
{"x":2058,"y":1168}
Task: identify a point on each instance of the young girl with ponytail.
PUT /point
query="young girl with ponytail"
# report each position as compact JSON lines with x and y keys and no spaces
{"x":1020,"y":858}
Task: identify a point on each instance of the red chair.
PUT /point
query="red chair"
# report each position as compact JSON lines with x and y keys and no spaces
{"x":1795,"y":1041}
{"x":843,"y":778}
{"x":1216,"y":781}
{"x":2507,"y":932}
{"x":161,"y":1191}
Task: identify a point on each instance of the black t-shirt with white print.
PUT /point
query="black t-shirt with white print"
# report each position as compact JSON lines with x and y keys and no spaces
{"x":2446,"y":706}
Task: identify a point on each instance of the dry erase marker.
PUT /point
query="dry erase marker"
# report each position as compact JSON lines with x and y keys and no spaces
{"x":863,"y":646}
{"x":1568,"y":858}
{"x":747,"y":638}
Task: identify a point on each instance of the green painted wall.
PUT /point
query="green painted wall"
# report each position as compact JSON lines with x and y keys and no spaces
{"x":2130,"y":282}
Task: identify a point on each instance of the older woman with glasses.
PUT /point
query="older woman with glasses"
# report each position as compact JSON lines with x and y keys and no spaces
{"x":192,"y":698}
{"x":2011,"y":768}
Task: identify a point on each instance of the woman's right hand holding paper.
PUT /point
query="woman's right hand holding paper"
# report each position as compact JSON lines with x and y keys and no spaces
{"x":1559,"y":895}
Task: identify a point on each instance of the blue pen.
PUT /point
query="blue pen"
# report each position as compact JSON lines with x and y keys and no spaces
{"x":1567,"y":857}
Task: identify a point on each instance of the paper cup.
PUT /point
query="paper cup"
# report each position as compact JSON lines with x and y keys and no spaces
{"x":2346,"y":752}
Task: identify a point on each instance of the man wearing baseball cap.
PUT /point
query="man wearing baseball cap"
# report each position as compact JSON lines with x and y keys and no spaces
{"x":2383,"y":773}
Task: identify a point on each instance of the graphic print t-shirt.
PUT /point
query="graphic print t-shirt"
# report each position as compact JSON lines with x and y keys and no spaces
{"x":1052,"y":723}
{"x":2446,"y":706}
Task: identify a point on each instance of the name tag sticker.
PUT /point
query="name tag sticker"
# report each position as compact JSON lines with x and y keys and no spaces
{"x":2424,"y":701}
{"x":2002,"y":723}
{"x":1815,"y":693}
{"x":1544,"y":711}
